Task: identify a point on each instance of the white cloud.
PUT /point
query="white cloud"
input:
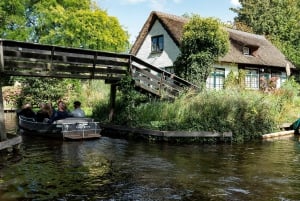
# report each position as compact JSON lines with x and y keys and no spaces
{"x":177,"y":1}
{"x":159,"y":5}
{"x":235,"y":3}
{"x":162,"y":5}
{"x":133,"y":1}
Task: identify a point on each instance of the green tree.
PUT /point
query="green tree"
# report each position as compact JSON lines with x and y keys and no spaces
{"x":203,"y":42}
{"x":70,"y":23}
{"x":13,"y":21}
{"x":277,"y":19}
{"x":36,"y":91}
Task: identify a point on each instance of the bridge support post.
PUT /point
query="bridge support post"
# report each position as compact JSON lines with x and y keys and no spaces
{"x":113,"y":91}
{"x":3,"y":135}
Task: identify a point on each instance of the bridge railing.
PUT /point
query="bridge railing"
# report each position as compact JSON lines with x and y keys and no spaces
{"x":156,"y":80}
{"x":36,"y":60}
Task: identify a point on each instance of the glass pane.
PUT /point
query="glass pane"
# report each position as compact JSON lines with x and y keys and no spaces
{"x":161,"y":43}
{"x":251,"y":79}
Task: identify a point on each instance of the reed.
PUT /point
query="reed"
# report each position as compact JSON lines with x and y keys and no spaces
{"x":248,"y":114}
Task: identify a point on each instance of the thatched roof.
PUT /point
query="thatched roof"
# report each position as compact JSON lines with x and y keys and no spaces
{"x":172,"y":24}
{"x":266,"y":53}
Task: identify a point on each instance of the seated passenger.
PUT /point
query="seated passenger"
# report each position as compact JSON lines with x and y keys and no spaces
{"x":27,"y":111}
{"x":77,"y":112}
{"x":60,"y":113}
{"x":44,"y":113}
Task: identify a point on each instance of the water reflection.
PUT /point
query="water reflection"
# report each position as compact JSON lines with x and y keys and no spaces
{"x":117,"y":169}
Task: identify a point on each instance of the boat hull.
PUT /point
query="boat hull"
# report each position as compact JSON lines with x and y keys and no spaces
{"x":66,"y":129}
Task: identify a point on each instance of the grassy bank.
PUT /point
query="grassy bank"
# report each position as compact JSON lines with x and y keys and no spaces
{"x":248,"y":114}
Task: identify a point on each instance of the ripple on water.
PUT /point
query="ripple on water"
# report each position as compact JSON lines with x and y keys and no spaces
{"x":117,"y":169}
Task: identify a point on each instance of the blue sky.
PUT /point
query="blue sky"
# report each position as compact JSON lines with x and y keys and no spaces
{"x":132,"y":14}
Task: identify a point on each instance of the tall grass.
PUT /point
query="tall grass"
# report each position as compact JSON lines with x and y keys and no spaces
{"x":91,"y":93}
{"x":248,"y":114}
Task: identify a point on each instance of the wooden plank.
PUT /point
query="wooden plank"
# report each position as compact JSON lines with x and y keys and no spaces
{"x":20,"y":59}
{"x":171,"y":84}
{"x":147,"y":88}
{"x":72,"y":50}
{"x":147,"y":82}
{"x":62,"y":58}
{"x":26,"y":51}
{"x":196,"y":134}
{"x":64,"y":75}
{"x":45,"y":67}
{"x":278,"y":134}
{"x":144,"y":72}
{"x":10,"y":142}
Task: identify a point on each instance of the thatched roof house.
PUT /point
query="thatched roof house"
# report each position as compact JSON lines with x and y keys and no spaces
{"x":159,"y":43}
{"x":262,"y":52}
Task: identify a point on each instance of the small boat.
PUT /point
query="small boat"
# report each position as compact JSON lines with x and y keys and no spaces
{"x":67,"y":129}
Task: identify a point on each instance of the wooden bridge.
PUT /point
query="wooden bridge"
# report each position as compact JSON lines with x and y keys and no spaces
{"x":36,"y":60}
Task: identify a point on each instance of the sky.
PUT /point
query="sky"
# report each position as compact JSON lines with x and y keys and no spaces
{"x":132,"y":14}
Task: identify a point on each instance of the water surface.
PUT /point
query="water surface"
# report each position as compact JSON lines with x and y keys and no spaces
{"x":118,"y":169}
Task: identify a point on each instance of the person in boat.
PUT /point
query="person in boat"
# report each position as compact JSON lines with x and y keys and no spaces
{"x":45,"y":112}
{"x":77,"y":112}
{"x":60,"y":113}
{"x":27,"y":111}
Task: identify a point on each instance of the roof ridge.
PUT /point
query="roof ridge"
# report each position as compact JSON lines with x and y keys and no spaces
{"x":171,"y":16}
{"x":249,"y":34}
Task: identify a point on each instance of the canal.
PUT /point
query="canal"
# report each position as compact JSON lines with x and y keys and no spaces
{"x":117,"y":169}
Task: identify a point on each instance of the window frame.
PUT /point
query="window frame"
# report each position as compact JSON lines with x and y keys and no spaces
{"x":157,"y":44}
{"x":246,"y":51}
{"x":252,"y":79}
{"x":282,"y":77}
{"x":216,"y":79}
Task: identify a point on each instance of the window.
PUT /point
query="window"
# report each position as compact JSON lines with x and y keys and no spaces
{"x":157,"y":43}
{"x":252,"y":80}
{"x":216,"y":79}
{"x":246,"y":51}
{"x":281,"y":78}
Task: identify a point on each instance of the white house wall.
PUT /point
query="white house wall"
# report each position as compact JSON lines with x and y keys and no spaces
{"x":166,"y":57}
{"x":228,"y":68}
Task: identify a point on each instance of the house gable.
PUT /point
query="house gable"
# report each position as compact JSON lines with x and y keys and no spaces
{"x":172,"y":24}
{"x":164,"y":58}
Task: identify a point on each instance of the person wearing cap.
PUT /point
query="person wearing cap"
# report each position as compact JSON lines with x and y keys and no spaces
{"x":77,"y":112}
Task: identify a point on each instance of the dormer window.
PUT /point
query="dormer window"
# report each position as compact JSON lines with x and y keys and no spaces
{"x":157,"y":44}
{"x":246,"y":50}
{"x":250,"y":50}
